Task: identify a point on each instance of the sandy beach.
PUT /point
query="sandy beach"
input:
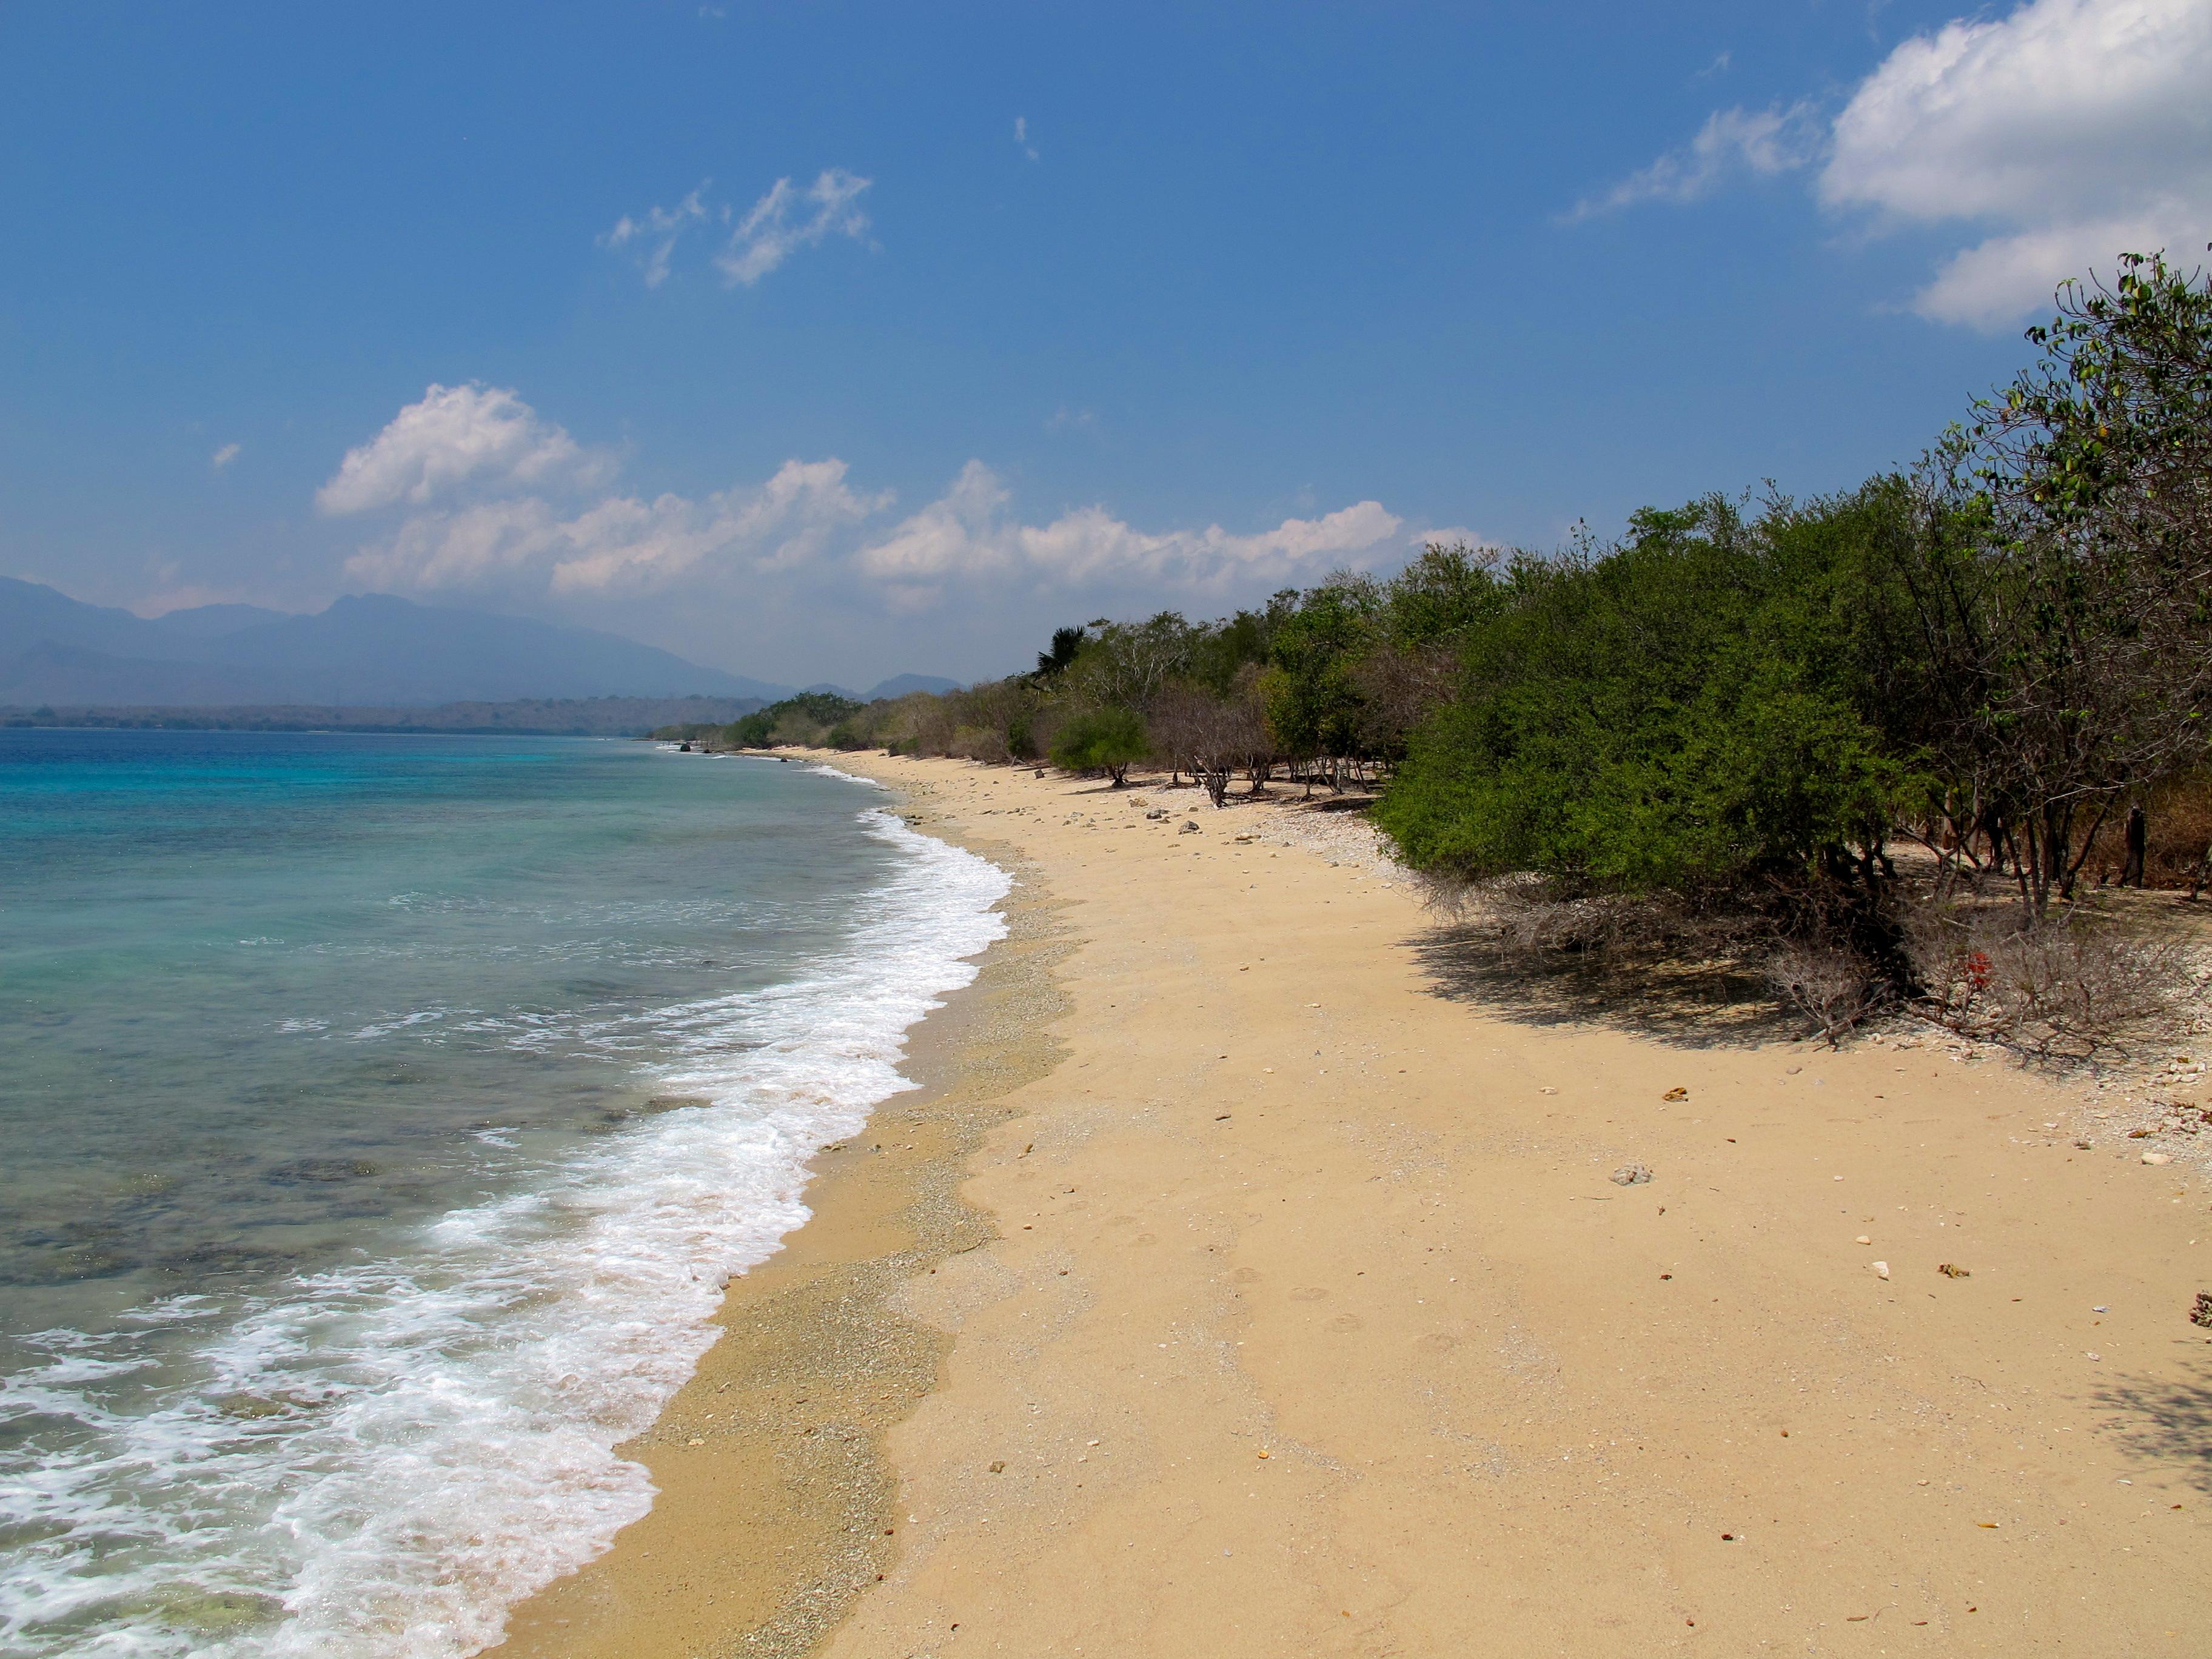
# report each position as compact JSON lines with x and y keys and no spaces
{"x":1245,"y":1281}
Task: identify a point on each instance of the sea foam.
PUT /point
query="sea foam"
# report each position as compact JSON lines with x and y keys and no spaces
{"x":382,"y":1460}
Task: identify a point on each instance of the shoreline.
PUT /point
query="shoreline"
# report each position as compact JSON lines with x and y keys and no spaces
{"x":1311,"y":1317}
{"x":775,"y":1449}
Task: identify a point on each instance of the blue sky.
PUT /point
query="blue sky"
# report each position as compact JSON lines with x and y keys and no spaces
{"x":1057,"y":312}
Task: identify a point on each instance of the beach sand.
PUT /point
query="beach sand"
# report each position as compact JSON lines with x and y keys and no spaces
{"x":1251,"y":1280}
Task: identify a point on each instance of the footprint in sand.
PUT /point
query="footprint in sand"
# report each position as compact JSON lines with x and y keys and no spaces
{"x":1308,"y":1293}
{"x":1346,"y":1322}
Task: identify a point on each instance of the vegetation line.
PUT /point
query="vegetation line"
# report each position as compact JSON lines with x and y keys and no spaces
{"x":1878,"y":740}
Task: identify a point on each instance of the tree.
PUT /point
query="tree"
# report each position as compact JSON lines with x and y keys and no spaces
{"x":1216,"y":735}
{"x":1067,"y":643}
{"x":2062,"y":580}
{"x":1109,"y":740}
{"x":1662,"y":717}
{"x":1313,"y":699}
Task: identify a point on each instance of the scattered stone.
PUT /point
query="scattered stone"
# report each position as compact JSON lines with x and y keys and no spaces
{"x":1631,"y":1175}
{"x":2201,"y":1315}
{"x":2156,"y":1158}
{"x":1882,"y":1270}
{"x":2081,"y":1146}
{"x":998,"y":1465}
{"x":2141,"y":1134}
{"x":1862,"y":1239}
{"x":1951,"y":1270}
{"x":1675,"y":1094}
{"x":1189,"y":827}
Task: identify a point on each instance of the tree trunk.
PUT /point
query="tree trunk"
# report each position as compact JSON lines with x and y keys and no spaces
{"x":2138,"y":833}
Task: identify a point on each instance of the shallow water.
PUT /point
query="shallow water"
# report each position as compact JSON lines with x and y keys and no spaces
{"x":381,"y":1118}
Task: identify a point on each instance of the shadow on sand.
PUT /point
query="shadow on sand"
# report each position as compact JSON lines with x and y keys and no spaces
{"x":2166,"y":1422}
{"x":1691,"y":1005}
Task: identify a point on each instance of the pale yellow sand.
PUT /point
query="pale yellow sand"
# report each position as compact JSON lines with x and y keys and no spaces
{"x":1314,"y":1325}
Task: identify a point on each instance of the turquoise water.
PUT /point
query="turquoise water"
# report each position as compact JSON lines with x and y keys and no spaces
{"x":381,"y":1118}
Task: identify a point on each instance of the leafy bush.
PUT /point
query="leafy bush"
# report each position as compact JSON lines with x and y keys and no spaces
{"x":1109,"y":740}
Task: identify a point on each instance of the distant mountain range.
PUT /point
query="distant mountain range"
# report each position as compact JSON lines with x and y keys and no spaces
{"x":367,"y":650}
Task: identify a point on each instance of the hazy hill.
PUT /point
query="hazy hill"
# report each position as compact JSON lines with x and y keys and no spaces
{"x":906,"y":683}
{"x":592,"y":717}
{"x":364,"y":650}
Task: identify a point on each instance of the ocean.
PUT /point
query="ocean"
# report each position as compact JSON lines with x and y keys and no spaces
{"x":381,"y":1119}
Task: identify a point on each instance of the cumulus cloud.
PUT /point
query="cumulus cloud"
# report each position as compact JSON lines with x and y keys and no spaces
{"x":1450,"y":534}
{"x":482,"y":494}
{"x":786,"y":219}
{"x":463,"y":436}
{"x":2059,"y":135}
{"x":2071,"y":129}
{"x":1022,"y":137}
{"x":620,"y":542}
{"x":1732,"y":144}
{"x":223,"y":456}
{"x":658,"y":233}
{"x":968,"y":534}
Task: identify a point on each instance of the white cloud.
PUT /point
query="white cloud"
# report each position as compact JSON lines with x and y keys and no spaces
{"x":471,"y":436}
{"x":1732,"y":143}
{"x":660,"y":230}
{"x":621,"y":542}
{"x":786,"y":219}
{"x":1022,"y":137}
{"x":1450,"y":535}
{"x":223,"y":456}
{"x":967,"y":534}
{"x":782,"y":221}
{"x":486,"y":495}
{"x":2071,"y":129}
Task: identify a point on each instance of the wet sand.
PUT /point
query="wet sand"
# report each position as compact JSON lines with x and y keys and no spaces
{"x":1303,"y":1316}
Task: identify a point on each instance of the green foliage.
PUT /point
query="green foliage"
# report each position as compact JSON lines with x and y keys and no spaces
{"x":1313,"y":700}
{"x":1660,"y":717}
{"x":753,"y":731}
{"x":808,"y":718}
{"x":1066,"y":642}
{"x":1109,"y":740}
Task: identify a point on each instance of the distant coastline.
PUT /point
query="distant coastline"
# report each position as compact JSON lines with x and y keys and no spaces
{"x":576,"y":717}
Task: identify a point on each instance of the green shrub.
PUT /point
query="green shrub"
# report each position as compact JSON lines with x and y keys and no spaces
{"x":1109,"y":740}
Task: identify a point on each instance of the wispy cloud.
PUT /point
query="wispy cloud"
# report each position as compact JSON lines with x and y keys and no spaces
{"x":1732,"y":144}
{"x":786,"y":219}
{"x":223,"y":456}
{"x":1021,"y":138}
{"x":658,"y":232}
